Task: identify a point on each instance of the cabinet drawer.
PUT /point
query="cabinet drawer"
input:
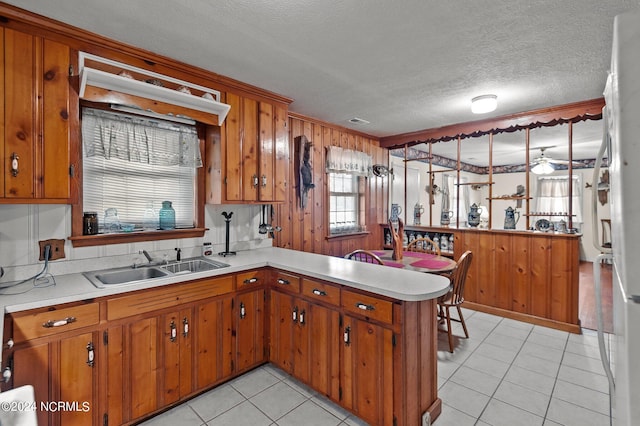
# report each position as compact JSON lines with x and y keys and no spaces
{"x":320,"y":291}
{"x":284,"y":281}
{"x":151,"y":300}
{"x":372,"y":307}
{"x":249,"y":279}
{"x":31,"y":326}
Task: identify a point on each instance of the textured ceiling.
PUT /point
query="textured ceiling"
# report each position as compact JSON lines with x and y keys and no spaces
{"x":402,"y":66}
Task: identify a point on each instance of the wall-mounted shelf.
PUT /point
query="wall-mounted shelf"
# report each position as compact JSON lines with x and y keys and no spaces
{"x":115,"y":76}
{"x":510,"y":198}
{"x":476,"y":183}
{"x":550,"y":214}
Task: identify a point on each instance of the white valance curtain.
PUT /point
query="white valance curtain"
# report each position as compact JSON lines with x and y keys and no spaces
{"x":134,"y":139}
{"x":340,"y":160}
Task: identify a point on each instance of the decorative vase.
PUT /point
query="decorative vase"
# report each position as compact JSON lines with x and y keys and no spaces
{"x":474,"y":215}
{"x":167,"y":216}
{"x":510,"y":219}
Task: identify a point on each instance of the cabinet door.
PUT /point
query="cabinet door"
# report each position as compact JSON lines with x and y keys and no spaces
{"x":61,"y":372}
{"x":20,"y":107}
{"x":56,"y":140}
{"x":213,"y":341}
{"x":281,"y":330}
{"x":142,"y":366}
{"x":76,"y":378}
{"x":323,"y":348}
{"x":177,"y":355}
{"x":250,"y":150}
{"x":250,"y":330}
{"x":36,"y":118}
{"x":367,"y":371}
{"x":267,"y":152}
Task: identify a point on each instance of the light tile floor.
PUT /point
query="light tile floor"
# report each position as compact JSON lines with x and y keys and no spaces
{"x":507,"y":373}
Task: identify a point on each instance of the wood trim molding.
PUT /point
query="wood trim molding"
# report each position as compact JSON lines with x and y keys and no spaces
{"x":573,"y":112}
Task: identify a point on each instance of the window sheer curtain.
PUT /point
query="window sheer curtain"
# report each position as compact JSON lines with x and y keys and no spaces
{"x":553,"y":196}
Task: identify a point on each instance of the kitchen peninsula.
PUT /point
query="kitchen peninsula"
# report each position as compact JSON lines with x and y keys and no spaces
{"x":363,"y":335}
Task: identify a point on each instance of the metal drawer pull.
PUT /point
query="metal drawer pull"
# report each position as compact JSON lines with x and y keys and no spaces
{"x":250,"y":280}
{"x":6,"y":375}
{"x":264,"y":181}
{"x":319,"y":292}
{"x":59,"y":323}
{"x":283,"y":281}
{"x":255,"y":181}
{"x":173,"y":334}
{"x":302,"y":314}
{"x":90,"y":354}
{"x":14,"y":164}
{"x":243,"y":311}
{"x":365,"y":307}
{"x":295,"y":314}
{"x":347,"y":336}
{"x":185,"y":327}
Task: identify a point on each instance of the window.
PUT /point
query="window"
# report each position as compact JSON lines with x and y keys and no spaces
{"x":450,"y":198}
{"x":552,"y":196}
{"x":346,"y":203}
{"x":131,"y":164}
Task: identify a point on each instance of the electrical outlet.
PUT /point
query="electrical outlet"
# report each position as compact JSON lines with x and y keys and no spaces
{"x":56,"y":251}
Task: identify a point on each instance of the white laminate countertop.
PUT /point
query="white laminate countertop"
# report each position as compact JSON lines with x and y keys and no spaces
{"x":396,"y":283}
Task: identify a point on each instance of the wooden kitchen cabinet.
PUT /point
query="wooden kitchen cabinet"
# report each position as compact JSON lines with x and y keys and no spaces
{"x":255,"y":151}
{"x":250,"y":346}
{"x":367,"y":370}
{"x":58,"y":356}
{"x":36,"y":145}
{"x":177,"y":356}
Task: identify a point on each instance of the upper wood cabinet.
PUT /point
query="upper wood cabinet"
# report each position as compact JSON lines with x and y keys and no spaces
{"x":35,"y":120}
{"x":254,"y":152}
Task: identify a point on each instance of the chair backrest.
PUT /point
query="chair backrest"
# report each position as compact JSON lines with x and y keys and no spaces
{"x":424,"y":245}
{"x":459,"y":276}
{"x":364,"y":256}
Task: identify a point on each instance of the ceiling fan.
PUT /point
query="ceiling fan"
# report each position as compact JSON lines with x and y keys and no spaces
{"x":544,"y":165}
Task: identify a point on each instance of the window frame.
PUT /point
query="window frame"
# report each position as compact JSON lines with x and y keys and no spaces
{"x":360,"y":185}
{"x":79,"y":240}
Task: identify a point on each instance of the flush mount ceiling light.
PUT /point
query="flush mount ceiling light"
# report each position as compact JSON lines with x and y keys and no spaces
{"x":484,"y":104}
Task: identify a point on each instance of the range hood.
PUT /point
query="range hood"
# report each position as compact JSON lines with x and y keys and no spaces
{"x":105,"y":80}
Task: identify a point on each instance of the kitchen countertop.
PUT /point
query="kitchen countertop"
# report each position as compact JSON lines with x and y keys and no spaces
{"x":396,"y":283}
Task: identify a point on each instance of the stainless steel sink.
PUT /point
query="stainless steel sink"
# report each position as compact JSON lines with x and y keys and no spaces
{"x":125,"y":276}
{"x":193,"y":265}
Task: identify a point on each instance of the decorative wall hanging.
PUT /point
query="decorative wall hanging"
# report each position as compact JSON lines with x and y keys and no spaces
{"x":306,"y":175}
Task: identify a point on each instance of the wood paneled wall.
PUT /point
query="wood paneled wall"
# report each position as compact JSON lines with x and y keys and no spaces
{"x":307,"y":229}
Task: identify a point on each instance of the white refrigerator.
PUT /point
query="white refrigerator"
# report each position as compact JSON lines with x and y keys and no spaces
{"x":622,"y":141}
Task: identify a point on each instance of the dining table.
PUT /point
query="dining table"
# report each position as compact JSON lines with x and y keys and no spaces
{"x":417,"y":261}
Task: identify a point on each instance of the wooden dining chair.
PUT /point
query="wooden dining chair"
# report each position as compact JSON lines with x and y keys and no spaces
{"x":455,"y":297}
{"x":364,"y":256}
{"x":424,"y":245}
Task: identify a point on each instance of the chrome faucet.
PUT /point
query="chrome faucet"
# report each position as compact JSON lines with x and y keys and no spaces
{"x":152,"y":261}
{"x":178,"y":254}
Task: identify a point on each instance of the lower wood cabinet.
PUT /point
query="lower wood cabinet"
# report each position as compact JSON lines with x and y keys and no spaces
{"x":126,"y":357}
{"x":367,"y":371}
{"x":62,"y":371}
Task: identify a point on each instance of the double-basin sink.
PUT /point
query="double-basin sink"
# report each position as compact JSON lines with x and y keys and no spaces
{"x":130,"y":275}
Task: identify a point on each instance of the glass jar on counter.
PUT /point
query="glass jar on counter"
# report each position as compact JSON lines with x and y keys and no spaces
{"x":90,"y":223}
{"x":167,"y":216}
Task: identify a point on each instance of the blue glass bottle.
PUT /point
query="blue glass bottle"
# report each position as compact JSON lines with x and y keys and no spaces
{"x":167,"y":216}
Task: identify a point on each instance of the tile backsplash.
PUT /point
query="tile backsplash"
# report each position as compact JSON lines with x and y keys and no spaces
{"x":22,"y":226}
